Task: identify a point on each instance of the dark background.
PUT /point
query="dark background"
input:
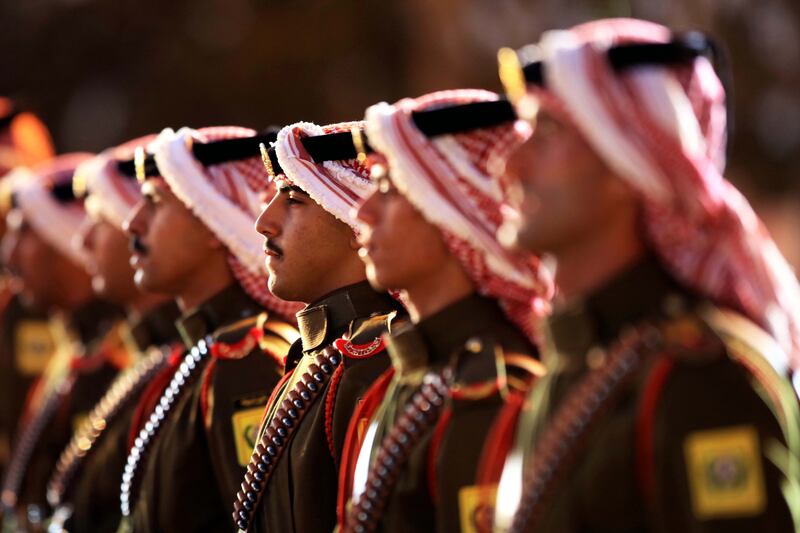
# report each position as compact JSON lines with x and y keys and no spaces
{"x":100,"y":72}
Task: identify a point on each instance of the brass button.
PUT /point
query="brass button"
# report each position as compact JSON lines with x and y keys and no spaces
{"x":474,"y":345}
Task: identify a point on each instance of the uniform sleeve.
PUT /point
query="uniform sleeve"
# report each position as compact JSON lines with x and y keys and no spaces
{"x":719,"y":453}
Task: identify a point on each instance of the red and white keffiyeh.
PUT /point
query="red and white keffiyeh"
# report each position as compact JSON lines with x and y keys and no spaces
{"x":226,"y":197}
{"x":111,"y":194}
{"x":59,"y":224}
{"x":337,"y":186}
{"x":663,"y":129}
{"x":448,"y":180}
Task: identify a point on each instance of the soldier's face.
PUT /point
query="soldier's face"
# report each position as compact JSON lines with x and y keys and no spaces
{"x":42,"y":273}
{"x":560,"y":189}
{"x":168,"y":243}
{"x":399,"y":247}
{"x":309,"y":253}
{"x":108,"y":259}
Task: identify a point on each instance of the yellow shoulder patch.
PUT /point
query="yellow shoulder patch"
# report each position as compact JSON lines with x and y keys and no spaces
{"x":725,"y":475}
{"x":33,"y":346}
{"x":476,"y":508}
{"x":245,"y":432}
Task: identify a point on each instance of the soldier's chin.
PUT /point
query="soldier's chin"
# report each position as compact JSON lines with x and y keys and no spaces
{"x":279,"y":289}
{"x":99,"y":285}
{"x":146,"y":282}
{"x":373,"y":278}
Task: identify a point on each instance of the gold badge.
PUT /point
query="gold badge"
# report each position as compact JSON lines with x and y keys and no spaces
{"x":33,"y":346}
{"x":245,"y":432}
{"x":476,"y":508}
{"x":725,"y":475}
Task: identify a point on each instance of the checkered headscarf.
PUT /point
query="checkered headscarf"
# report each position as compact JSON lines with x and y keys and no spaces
{"x":663,"y":130}
{"x":337,"y":186}
{"x":226,"y":197}
{"x":57,"y":223}
{"x":448,"y":180}
{"x":109,"y":192}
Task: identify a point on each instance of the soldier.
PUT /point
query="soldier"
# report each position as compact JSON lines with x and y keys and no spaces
{"x":311,"y":248}
{"x":37,"y":248}
{"x":84,"y":489}
{"x":25,"y":341}
{"x":192,"y":238}
{"x":667,"y":405}
{"x":472,"y":306}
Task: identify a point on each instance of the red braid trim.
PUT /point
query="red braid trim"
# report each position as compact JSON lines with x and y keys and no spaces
{"x":501,"y":438}
{"x":433,"y":452}
{"x":645,"y":426}
{"x":330,"y":403}
{"x":238,"y":350}
{"x":352,"y":441}
{"x":88,"y":363}
{"x":208,"y":375}
{"x":152,"y":394}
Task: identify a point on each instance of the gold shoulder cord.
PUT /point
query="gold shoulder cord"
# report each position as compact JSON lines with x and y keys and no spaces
{"x":358,"y":143}
{"x":79,"y":185}
{"x":511,"y":76}
{"x":266,"y":160}
{"x":138,"y":162}
{"x":513,"y":80}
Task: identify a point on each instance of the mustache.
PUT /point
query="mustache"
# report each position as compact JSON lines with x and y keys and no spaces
{"x":135,"y":245}
{"x":272,"y":247}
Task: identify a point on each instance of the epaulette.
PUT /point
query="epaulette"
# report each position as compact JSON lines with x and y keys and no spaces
{"x":366,"y":337}
{"x":507,"y":371}
{"x":689,"y":338}
{"x":236,"y":340}
{"x":710,"y":333}
{"x":753,"y":348}
{"x":276,"y":334}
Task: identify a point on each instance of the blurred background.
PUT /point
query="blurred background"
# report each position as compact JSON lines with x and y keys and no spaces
{"x":100,"y":72}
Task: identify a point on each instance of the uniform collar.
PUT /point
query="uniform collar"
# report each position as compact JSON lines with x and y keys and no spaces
{"x":229,"y":305}
{"x":156,"y":327}
{"x":642,"y":291}
{"x":434,"y":340}
{"x":330,"y":317}
{"x":93,"y":320}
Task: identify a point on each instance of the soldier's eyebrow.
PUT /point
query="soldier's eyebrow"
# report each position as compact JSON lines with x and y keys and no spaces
{"x":291,"y":188}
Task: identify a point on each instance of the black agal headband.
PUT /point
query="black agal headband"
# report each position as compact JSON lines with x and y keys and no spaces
{"x":517,"y":70}
{"x":444,"y":120}
{"x":143,"y":165}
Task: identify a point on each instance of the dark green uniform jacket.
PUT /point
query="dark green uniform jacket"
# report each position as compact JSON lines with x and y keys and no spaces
{"x":93,"y":493}
{"x":90,"y":372}
{"x":683,"y":427}
{"x":192,"y":465}
{"x":26,"y":345}
{"x":301,"y":493}
{"x":435,"y":488}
